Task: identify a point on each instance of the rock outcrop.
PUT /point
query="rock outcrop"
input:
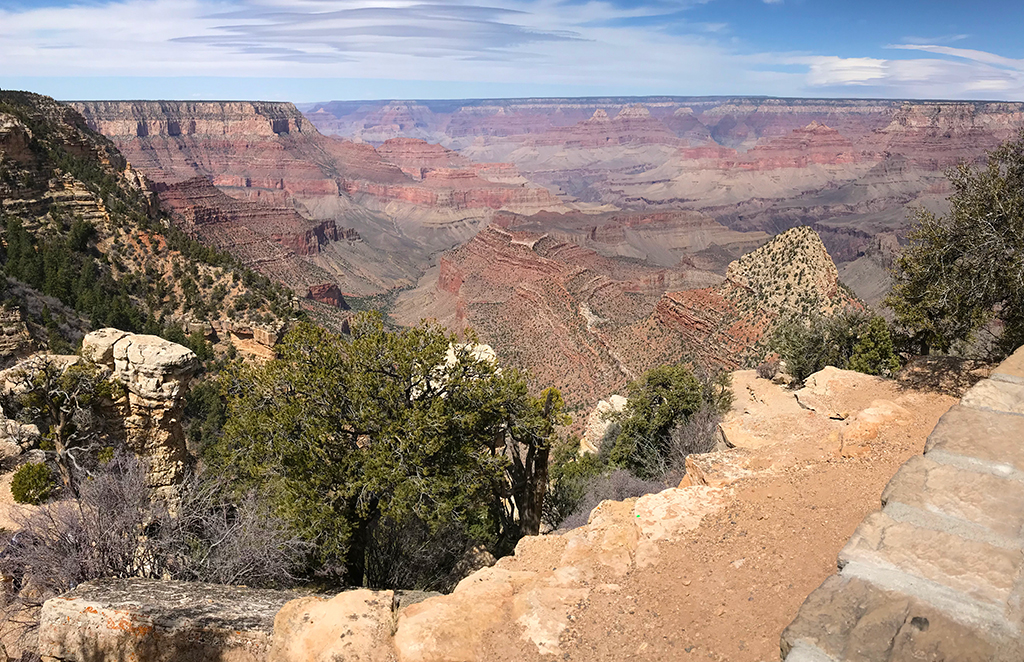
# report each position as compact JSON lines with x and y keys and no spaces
{"x":937,"y":572}
{"x":156,"y":374}
{"x":598,"y":423}
{"x":727,"y":325}
{"x":15,"y":340}
{"x":159,"y":621}
{"x":354,"y":626}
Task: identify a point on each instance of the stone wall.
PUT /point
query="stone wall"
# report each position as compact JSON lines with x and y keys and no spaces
{"x":936,"y":574}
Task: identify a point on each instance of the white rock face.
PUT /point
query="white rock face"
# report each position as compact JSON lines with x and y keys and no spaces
{"x":156,"y":373}
{"x":598,"y":423}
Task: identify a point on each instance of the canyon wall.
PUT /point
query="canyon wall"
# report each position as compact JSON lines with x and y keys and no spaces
{"x":295,"y":183}
{"x":851,"y":169}
{"x":589,"y":323}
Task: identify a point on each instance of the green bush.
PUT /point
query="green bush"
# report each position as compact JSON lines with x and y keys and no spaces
{"x":874,"y":354}
{"x":32,"y":484}
{"x":853,"y":340}
{"x":663,"y":399}
{"x":962,"y":270}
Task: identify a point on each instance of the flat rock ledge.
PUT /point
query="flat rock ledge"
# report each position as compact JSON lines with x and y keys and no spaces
{"x":936,"y":574}
{"x":160,"y":621}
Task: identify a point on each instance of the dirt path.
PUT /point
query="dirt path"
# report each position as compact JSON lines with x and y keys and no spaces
{"x":726,"y":590}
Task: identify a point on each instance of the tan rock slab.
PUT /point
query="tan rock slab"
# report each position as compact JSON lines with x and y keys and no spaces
{"x":1012,"y":369}
{"x":990,"y":440}
{"x":857,"y":433}
{"x":156,"y":621}
{"x":851,"y":620}
{"x":669,"y":514}
{"x":976,"y":569}
{"x":994,"y":395}
{"x":354,"y":626}
{"x":544,"y":612}
{"x":722,"y":468}
{"x":827,"y":391}
{"x":451,"y":628}
{"x":977,"y":498}
{"x":606,"y":544}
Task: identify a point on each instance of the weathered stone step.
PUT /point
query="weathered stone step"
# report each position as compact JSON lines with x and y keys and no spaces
{"x":938,"y":574}
{"x":977,"y":569}
{"x":848,"y":618}
{"x":966,"y":503}
{"x":979,"y":440}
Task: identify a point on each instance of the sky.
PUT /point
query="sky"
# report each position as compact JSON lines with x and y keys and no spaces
{"x":320,"y":50}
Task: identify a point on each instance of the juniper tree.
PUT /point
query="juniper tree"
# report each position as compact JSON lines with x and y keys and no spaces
{"x":965,"y":269}
{"x":364,"y":434}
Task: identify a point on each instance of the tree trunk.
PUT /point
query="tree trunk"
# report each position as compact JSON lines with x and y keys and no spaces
{"x":61,"y":458}
{"x":536,"y":489}
{"x":537,"y":479}
{"x":355,"y":559}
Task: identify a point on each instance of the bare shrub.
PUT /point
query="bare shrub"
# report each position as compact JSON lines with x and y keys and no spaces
{"x":695,"y":434}
{"x":768,"y":369}
{"x":616,"y":486}
{"x":411,"y":555}
{"x":212,"y":539}
{"x":116,"y":529}
{"x":67,"y":542}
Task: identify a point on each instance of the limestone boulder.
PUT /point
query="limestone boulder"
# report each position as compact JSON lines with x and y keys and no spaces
{"x":667,"y":515}
{"x":15,"y":340}
{"x":454,"y":627}
{"x":16,"y":437}
{"x":159,"y":621}
{"x":150,"y":367}
{"x":598,"y":422}
{"x":354,"y":626}
{"x":156,"y":374}
{"x":829,"y":390}
{"x":865,"y":425}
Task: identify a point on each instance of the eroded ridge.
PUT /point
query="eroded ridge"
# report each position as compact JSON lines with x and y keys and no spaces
{"x":936,"y":573}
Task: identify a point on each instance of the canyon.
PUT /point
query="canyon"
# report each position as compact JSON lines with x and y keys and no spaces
{"x":586,"y":239}
{"x":851,"y":169}
{"x":257,"y":179}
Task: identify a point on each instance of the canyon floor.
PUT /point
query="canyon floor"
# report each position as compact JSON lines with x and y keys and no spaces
{"x":726,"y":589}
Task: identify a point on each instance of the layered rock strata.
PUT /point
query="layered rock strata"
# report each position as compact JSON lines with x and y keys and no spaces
{"x":938,"y":572}
{"x":271,"y":240}
{"x":410,"y":196}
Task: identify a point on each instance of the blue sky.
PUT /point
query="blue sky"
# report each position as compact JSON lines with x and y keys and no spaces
{"x":312,"y":50}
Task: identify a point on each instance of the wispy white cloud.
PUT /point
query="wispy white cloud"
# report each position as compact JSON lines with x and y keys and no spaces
{"x":966,"y":54}
{"x":942,"y":39}
{"x":598,"y":44}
